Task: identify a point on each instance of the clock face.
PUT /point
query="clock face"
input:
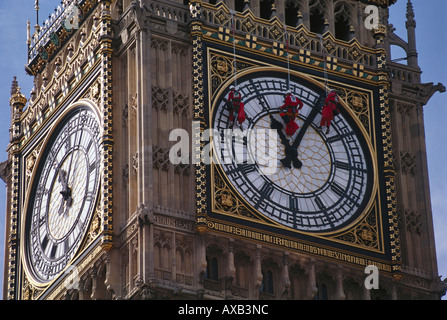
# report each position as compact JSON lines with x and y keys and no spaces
{"x":320,"y":181}
{"x":64,"y":194}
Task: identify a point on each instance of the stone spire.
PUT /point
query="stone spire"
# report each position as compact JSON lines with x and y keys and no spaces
{"x":411,"y":34}
{"x":17,"y":100}
{"x":410,"y":15}
{"x":14,"y":86}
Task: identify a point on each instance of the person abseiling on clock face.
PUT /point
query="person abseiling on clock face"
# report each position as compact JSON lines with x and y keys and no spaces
{"x":329,"y":110}
{"x":291,"y":106}
{"x":235,"y":106}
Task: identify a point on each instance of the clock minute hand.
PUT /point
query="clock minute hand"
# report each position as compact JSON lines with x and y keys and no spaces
{"x":71,"y":174}
{"x":290,"y":152}
{"x":63,"y":181}
{"x":312,"y":115}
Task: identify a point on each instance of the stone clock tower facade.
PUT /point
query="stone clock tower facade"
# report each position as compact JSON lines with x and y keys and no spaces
{"x":98,"y":209}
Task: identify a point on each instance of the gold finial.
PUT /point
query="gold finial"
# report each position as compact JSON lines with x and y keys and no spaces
{"x":273,"y":12}
{"x":16,"y":94}
{"x":36,"y":6}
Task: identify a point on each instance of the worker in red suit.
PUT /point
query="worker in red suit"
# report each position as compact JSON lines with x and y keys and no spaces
{"x":329,"y":109}
{"x":291,"y":106}
{"x":235,"y":106}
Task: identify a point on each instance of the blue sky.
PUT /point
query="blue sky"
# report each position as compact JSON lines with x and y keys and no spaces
{"x":431,"y":39}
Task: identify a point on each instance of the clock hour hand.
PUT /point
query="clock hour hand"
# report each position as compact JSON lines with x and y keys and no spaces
{"x":293,"y":150}
{"x":66,"y":191}
{"x":290,"y":152}
{"x":61,"y":207}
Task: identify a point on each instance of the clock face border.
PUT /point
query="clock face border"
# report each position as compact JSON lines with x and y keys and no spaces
{"x":297,"y":77}
{"x":214,"y":55}
{"x":247,"y":226}
{"x":48,"y":138}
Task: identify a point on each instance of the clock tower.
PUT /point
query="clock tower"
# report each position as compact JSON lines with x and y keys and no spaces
{"x":219,"y":150}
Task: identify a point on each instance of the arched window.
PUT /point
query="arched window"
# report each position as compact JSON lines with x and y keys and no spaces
{"x":298,"y":281}
{"x":322,"y":292}
{"x":267,"y":282}
{"x":266,"y":8}
{"x":342,"y":15}
{"x":292,"y":10}
{"x":317,"y":21}
{"x":242,"y":268}
{"x":342,"y":28}
{"x":212,"y":269}
{"x":239,"y":5}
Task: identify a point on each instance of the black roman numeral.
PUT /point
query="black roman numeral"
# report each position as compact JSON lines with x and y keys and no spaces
{"x":88,"y":196}
{"x":342,"y":165}
{"x":337,"y":189}
{"x":44,"y":243}
{"x":339,"y":137}
{"x":92,"y":167}
{"x":319,"y":203}
{"x":264,"y":193}
{"x":53,"y":251}
{"x":261,"y":99}
{"x":293,"y":203}
{"x":246,"y":168}
{"x":89,"y":145}
{"x":266,"y":190}
{"x":347,"y":167}
{"x":67,"y":245}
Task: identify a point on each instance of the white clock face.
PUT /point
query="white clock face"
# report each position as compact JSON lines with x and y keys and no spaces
{"x":321,"y":181}
{"x":64,"y":195}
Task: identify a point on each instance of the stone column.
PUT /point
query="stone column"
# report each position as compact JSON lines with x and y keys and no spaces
{"x":258,"y":270}
{"x":286,"y":276}
{"x":231,"y":267}
{"x":340,"y":294}
{"x":313,"y":290}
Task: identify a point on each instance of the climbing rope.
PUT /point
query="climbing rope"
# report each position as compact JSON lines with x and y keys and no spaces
{"x":326,"y":88}
{"x":233,"y":25}
{"x":286,"y":38}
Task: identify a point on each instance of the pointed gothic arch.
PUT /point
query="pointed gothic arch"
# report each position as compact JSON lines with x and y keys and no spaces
{"x":239,"y":5}
{"x":342,"y":20}
{"x":317,"y":16}
{"x":265,"y":8}
{"x":291,"y":13}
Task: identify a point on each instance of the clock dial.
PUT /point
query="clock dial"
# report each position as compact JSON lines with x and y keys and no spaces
{"x":320,"y":183}
{"x":64,"y":194}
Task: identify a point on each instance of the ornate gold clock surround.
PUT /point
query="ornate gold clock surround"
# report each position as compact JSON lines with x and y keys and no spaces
{"x":83,"y":73}
{"x":371,"y":239}
{"x":94,"y":228}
